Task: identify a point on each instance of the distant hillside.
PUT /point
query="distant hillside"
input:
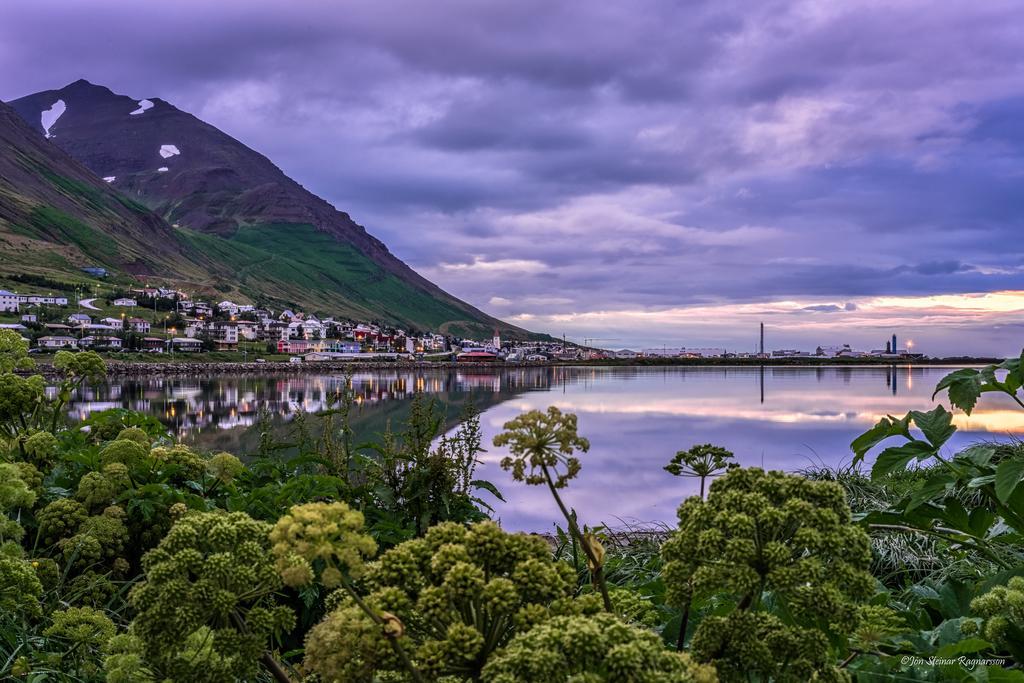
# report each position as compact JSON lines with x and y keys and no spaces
{"x":243,"y":227}
{"x":57,"y":217}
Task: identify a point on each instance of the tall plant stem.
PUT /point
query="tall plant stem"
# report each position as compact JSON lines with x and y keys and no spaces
{"x":597,"y":570}
{"x":268,"y":661}
{"x":275,"y":668}
{"x":683,"y":624}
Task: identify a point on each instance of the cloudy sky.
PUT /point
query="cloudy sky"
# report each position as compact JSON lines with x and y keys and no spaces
{"x":644,"y":173}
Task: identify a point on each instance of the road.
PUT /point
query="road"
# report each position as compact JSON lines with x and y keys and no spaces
{"x":87,"y":303}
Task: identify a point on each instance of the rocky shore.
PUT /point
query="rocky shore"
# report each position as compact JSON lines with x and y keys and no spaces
{"x":193,"y":368}
{"x":119,"y":368}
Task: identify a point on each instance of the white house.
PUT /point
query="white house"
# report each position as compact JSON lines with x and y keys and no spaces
{"x":100,"y":342}
{"x":225,"y":335}
{"x":57,"y":342}
{"x":306,"y":329}
{"x":229,"y":307}
{"x":139,"y":325}
{"x":79,"y":319}
{"x":185,"y":345}
{"x":126,"y":302}
{"x":43,"y":300}
{"x":30,"y":318}
{"x":246,"y":330}
{"x":8,"y":301}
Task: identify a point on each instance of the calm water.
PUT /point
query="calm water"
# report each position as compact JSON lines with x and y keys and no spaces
{"x":636,"y":418}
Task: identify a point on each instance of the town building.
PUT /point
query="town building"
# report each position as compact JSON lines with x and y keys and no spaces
{"x":101,"y":343}
{"x":9,"y":301}
{"x":57,"y":343}
{"x":36,"y":300}
{"x":225,"y":335}
{"x":139,"y":325}
{"x":185,"y":345}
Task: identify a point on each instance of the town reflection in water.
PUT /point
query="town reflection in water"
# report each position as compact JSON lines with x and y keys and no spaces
{"x":636,"y":418}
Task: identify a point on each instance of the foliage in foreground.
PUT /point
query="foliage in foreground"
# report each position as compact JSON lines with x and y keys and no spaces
{"x":769,"y":536}
{"x":125,"y":556}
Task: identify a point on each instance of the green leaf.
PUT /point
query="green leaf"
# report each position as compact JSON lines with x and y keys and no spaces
{"x":980,"y":521}
{"x":886,"y":427}
{"x":897,"y":457}
{"x":932,"y":488}
{"x":1008,"y":475}
{"x":1015,"y":377}
{"x":956,"y":516}
{"x":1019,"y":370}
{"x":489,"y":487}
{"x":936,"y":425}
{"x":979,"y":455}
{"x":963,"y":647}
{"x":964,"y":388}
{"x":999,"y":674}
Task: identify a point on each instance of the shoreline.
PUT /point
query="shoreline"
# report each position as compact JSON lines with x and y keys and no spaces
{"x":119,"y":368}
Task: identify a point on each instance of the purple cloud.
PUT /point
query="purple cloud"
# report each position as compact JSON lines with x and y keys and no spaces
{"x":570,"y":158}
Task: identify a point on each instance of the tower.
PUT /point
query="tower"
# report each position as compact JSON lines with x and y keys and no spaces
{"x":761,"y":347}
{"x":895,"y":349}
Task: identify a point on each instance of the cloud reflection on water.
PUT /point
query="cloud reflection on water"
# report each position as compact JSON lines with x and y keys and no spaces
{"x":635,"y":418}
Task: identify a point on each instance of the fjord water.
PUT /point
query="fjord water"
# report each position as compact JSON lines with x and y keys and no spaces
{"x":786,"y":418}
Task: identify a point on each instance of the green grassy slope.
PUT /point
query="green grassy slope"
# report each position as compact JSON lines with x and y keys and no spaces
{"x":296,"y":265}
{"x":57,"y":217}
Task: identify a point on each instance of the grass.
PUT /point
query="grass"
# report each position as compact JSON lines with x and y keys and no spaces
{"x":899,"y":557}
{"x":63,"y":228}
{"x":295,"y":264}
{"x":276,"y":265}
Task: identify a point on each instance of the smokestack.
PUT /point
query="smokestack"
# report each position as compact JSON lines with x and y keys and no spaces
{"x":762,"y":340}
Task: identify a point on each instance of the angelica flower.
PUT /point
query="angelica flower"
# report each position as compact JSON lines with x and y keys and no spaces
{"x":542,"y":441}
{"x":596,"y":649}
{"x":328,"y":536}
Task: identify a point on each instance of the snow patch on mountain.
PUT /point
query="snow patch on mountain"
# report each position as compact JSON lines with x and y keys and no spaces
{"x":168,"y":151}
{"x":50,"y":116}
{"x":109,"y":178}
{"x":163,"y":169}
{"x":144,"y":105}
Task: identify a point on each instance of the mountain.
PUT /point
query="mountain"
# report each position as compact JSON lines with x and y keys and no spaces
{"x":56,"y":217}
{"x":259,"y":234}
